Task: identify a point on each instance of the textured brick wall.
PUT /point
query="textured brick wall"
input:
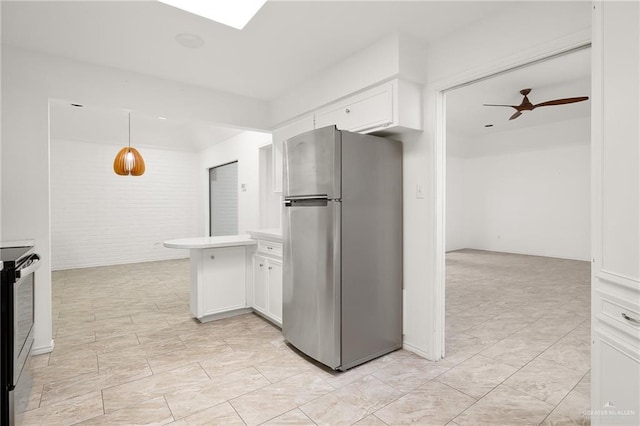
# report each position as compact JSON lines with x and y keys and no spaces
{"x":99,"y":218}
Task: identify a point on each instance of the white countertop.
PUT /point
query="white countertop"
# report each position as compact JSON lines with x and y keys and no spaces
{"x":210,"y":242}
{"x":267,"y":233}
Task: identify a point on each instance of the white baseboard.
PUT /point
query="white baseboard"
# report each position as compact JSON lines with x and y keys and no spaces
{"x":43,"y":349}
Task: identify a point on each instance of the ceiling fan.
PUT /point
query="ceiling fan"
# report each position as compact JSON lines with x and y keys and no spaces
{"x":526,"y":104}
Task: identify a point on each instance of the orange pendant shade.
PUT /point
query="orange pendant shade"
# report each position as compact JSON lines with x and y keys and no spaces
{"x":128,"y":161}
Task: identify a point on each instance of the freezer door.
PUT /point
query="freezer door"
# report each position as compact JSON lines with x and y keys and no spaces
{"x":312,"y":163}
{"x":311,"y":282}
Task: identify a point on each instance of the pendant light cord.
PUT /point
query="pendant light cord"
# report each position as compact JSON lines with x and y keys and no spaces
{"x":129,"y":131}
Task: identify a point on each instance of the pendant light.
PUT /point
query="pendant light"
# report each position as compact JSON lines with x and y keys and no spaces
{"x":128,"y":161}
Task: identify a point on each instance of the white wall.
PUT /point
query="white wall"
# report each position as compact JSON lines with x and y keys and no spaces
{"x":270,"y":202}
{"x":481,"y":46}
{"x":458,"y":203}
{"x":380,"y":61}
{"x":243,"y":148}
{"x":100,"y":218}
{"x":532,"y":201}
{"x":29,"y":81}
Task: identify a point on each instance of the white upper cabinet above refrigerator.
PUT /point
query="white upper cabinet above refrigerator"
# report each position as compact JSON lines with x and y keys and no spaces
{"x":390,"y":108}
{"x":370,"y":110}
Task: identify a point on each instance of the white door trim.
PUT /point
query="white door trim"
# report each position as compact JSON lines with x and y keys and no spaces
{"x":439,"y":172}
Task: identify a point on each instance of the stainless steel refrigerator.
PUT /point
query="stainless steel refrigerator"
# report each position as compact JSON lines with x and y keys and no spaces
{"x":342,"y":284}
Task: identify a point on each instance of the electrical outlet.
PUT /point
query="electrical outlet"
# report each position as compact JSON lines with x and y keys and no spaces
{"x":243,"y":187}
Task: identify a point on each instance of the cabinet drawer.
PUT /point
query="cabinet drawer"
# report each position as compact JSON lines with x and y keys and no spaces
{"x":626,"y":318}
{"x":270,"y":247}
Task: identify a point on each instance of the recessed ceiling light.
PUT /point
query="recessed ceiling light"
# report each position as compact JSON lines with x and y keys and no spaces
{"x":488,"y":125}
{"x":234,"y":13}
{"x":162,"y":118}
{"x":77,"y":105}
{"x":191,"y":41}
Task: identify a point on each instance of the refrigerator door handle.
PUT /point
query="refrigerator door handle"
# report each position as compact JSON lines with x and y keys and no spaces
{"x":307,"y":197}
{"x":307,"y":200}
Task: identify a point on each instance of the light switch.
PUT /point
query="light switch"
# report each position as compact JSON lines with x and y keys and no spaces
{"x":243,"y":187}
{"x":419,"y":191}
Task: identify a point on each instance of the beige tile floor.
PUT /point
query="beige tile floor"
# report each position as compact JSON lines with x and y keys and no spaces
{"x":127,"y":352}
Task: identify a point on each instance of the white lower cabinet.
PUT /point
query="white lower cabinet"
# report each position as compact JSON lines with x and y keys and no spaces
{"x":275,"y":289}
{"x":260,"y":278}
{"x":267,"y":287}
{"x":618,"y":372}
{"x":616,"y":353}
{"x":219,"y":284}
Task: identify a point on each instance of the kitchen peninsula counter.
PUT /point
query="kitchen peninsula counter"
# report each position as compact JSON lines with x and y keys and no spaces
{"x":219,"y":274}
{"x":210,"y":242}
{"x":272,"y":234}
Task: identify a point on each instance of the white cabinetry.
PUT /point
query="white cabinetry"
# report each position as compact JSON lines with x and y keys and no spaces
{"x":267,"y":280}
{"x":219,"y":284}
{"x":615,"y":310}
{"x":616,"y":352}
{"x":260,"y":294}
{"x":389,"y":108}
{"x":370,"y":110}
{"x":394,"y":106}
{"x":274,"y":268}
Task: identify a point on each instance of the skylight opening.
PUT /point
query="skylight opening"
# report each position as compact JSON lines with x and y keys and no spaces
{"x":233,"y":13}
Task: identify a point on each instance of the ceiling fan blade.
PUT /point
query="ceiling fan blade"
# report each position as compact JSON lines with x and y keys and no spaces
{"x":562,"y":101}
{"x":510,"y":106}
{"x":516,"y":115}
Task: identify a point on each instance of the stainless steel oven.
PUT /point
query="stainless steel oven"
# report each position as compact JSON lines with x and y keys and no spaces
{"x":16,"y":324}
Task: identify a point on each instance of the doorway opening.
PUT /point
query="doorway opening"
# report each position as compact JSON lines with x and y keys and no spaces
{"x":516,"y":244}
{"x":223,"y":199}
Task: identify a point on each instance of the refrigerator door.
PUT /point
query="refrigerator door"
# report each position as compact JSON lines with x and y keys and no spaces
{"x":311,"y":283}
{"x":312,"y":164}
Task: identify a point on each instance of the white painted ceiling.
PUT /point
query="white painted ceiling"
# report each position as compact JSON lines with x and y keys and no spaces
{"x":566,"y":76}
{"x":286,"y":43}
{"x":283,"y":45}
{"x":110,"y":126}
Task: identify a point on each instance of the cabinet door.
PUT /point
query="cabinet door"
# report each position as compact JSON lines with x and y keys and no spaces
{"x":275,"y":289}
{"x":370,"y":110}
{"x":281,"y":134}
{"x":260,"y":276}
{"x":618,"y":369}
{"x":223,"y":285}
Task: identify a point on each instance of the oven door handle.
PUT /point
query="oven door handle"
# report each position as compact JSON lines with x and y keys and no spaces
{"x":33,"y":264}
